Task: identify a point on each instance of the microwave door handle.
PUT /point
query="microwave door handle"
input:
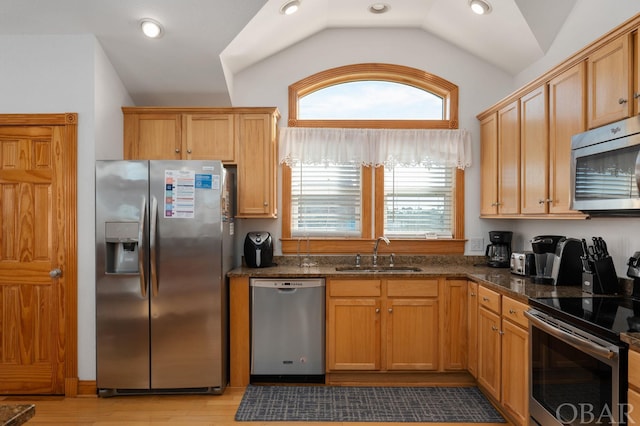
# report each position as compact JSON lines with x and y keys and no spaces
{"x":579,"y":342}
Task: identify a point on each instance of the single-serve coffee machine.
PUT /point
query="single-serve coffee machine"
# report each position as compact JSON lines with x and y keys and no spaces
{"x":498,"y":253}
{"x":557,"y":260}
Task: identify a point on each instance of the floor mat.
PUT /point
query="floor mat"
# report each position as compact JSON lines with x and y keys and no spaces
{"x":366,"y":404}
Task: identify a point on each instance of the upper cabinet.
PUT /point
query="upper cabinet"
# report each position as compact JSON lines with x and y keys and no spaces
{"x":245,"y":137}
{"x":610,"y":82}
{"x":526,"y":138}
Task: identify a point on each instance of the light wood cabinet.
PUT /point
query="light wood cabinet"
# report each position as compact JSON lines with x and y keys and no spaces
{"x":567,"y":116}
{"x":472,"y":329}
{"x":489,"y":165}
{"x":503,"y":352}
{"x":534,"y":151}
{"x":382,"y":325}
{"x":610,"y":84}
{"x":633,"y":394}
{"x":245,"y":137}
{"x":257,"y":164}
{"x":509,"y":159}
{"x":489,"y":354}
{"x":515,"y":360}
{"x":453,"y":327}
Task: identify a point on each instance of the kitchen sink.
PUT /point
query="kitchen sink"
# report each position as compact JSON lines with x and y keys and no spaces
{"x":370,"y":269}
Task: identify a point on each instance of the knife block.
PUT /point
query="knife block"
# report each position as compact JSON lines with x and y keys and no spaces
{"x":603,"y":278}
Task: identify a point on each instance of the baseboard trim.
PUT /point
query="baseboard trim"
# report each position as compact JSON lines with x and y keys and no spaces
{"x":87,"y":388}
{"x":400,"y":379}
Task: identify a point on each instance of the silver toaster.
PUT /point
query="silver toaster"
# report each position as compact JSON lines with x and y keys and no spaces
{"x":523,"y":264}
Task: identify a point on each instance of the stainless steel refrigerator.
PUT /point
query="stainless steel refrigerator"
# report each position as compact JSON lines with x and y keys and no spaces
{"x":164,"y":242}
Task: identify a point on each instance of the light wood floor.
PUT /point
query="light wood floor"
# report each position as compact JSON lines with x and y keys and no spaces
{"x":218,"y":410}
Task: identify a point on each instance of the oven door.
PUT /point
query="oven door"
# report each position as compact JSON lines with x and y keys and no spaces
{"x":575,"y":377}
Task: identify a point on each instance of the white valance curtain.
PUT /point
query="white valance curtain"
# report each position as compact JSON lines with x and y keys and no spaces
{"x":375,"y":146}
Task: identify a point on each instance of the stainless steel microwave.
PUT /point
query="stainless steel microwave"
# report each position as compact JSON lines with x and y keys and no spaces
{"x":605,"y":169}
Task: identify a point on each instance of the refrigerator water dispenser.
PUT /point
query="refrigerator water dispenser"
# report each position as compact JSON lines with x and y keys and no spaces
{"x":121,"y":240}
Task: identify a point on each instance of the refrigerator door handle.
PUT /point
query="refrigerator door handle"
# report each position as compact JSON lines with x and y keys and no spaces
{"x":141,"y":248}
{"x":152,"y":246}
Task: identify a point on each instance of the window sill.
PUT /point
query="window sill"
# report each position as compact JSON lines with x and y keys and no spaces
{"x":351,"y":246}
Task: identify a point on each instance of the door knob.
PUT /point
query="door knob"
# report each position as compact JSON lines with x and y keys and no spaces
{"x":55,"y":273}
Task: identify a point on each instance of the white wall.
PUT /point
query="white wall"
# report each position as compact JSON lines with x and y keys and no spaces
{"x":266,"y":84}
{"x":589,"y":20}
{"x":54,"y":74}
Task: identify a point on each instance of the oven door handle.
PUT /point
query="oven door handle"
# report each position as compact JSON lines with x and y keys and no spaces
{"x":579,"y":342}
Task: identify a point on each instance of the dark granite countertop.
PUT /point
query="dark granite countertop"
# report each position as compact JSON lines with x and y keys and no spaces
{"x":498,"y":279}
{"x":14,"y":415}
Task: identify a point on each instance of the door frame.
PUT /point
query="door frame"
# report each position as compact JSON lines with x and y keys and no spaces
{"x":69,"y":121}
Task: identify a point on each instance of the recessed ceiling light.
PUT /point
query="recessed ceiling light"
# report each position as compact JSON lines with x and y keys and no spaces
{"x":481,"y":7}
{"x":151,"y":28}
{"x":379,"y":8}
{"x":290,"y":7}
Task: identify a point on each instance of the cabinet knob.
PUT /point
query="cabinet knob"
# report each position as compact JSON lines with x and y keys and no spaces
{"x":473,"y":294}
{"x":541,"y":201}
{"x":390,"y":310}
{"x":494,"y":328}
{"x":485,"y":298}
{"x":188,"y":151}
{"x":265,"y":204}
{"x":501,"y":332}
{"x":177,"y":150}
{"x":622,"y":101}
{"x":377,"y":310}
{"x":511,"y":311}
{"x":636,"y":95}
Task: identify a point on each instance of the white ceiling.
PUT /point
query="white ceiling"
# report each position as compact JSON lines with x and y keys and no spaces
{"x":204,"y":39}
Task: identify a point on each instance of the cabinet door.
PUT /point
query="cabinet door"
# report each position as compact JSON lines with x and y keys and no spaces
{"x":509,"y":159}
{"x":412,"y":334}
{"x":453,"y":325}
{"x":256,"y":166}
{"x":209,"y":137}
{"x":353,"y":334}
{"x":567,"y":116}
{"x":152,"y":136}
{"x":610,"y":85}
{"x":515,"y":371}
{"x":489,"y":355}
{"x":534,"y":151}
{"x":472,"y":329}
{"x":489,"y":165}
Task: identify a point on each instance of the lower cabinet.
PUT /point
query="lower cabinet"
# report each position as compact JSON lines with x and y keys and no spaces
{"x":633,"y":394}
{"x":395,"y":325}
{"x":503,"y":352}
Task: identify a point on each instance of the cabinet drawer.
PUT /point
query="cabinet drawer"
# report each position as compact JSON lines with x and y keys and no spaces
{"x":354,"y":288}
{"x":633,"y":401}
{"x":489,"y":299}
{"x":412,"y":288}
{"x":514,"y":311}
{"x":634,"y":369}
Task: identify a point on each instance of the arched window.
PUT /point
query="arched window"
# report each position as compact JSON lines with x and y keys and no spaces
{"x":342,"y":207}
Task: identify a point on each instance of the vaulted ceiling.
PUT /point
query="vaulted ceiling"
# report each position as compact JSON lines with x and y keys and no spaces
{"x":204,"y":39}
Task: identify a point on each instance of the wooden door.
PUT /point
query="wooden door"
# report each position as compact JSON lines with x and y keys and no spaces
{"x":567,"y":116}
{"x":515,"y":371}
{"x":610,"y":82}
{"x":209,"y":137}
{"x":534,"y":151}
{"x":256,"y":166}
{"x":489,"y":352}
{"x":37,"y":254}
{"x":412,"y":334}
{"x":509,"y":159}
{"x":472,"y":329}
{"x":353,"y":334}
{"x":156,"y":136}
{"x":489,"y":166}
{"x":453,"y":326}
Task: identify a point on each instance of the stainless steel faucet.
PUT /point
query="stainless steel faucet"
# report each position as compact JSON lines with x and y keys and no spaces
{"x":375,"y":249}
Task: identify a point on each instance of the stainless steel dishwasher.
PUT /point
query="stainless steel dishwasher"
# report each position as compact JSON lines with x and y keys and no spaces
{"x":287,"y":328}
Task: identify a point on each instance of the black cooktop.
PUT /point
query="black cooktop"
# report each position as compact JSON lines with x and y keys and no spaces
{"x":605,"y":316}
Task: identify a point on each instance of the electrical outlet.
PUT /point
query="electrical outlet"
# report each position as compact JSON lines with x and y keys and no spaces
{"x":476,"y":244}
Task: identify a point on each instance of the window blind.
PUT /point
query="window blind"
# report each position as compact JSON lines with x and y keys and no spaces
{"x":325,"y":200}
{"x":418,"y":200}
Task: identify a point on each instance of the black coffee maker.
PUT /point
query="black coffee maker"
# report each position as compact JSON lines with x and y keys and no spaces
{"x":498,"y":253}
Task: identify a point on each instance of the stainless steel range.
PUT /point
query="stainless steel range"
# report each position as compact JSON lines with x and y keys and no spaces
{"x":578,"y":372}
